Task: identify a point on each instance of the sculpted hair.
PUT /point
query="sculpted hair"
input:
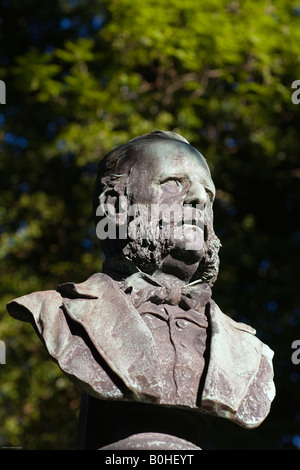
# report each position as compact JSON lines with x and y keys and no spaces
{"x":114,"y":168}
{"x":208,"y":269}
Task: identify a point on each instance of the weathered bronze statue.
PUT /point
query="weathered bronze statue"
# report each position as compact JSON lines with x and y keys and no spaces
{"x":152,"y":351}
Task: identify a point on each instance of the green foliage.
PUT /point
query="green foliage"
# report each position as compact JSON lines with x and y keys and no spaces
{"x":85,"y":76}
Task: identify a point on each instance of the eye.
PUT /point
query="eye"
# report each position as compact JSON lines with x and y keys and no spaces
{"x":173,"y":181}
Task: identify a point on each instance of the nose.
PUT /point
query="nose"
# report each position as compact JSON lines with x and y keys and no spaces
{"x":196,"y":194}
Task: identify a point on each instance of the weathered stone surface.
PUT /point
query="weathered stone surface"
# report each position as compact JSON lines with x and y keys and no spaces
{"x":151,"y":441}
{"x":146,"y":330}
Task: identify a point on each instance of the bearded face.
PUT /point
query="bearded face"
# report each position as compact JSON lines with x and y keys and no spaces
{"x":164,"y":195}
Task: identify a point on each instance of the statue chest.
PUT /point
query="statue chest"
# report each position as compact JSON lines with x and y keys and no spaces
{"x":180,"y":337}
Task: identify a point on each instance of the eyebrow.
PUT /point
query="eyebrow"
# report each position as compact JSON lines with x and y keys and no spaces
{"x":179,"y":176}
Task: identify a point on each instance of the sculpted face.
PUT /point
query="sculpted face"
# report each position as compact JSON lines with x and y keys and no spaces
{"x":168,"y":182}
{"x":174,"y":177}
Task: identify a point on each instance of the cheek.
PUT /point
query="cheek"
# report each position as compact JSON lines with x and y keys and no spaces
{"x":139,"y":186}
{"x":169,"y":195}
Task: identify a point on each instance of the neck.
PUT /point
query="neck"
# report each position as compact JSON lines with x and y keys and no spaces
{"x":120,"y":267}
{"x":178,"y":268}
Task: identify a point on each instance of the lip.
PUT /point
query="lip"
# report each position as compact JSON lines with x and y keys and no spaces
{"x":189,"y":226}
{"x":195,"y":222}
{"x":186,"y":228}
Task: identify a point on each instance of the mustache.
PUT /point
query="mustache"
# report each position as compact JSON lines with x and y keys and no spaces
{"x":163,"y":222}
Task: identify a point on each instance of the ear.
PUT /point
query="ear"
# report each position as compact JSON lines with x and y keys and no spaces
{"x":113,"y":204}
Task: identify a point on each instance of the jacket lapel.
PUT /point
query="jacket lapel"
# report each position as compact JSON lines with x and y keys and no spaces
{"x":117,"y":331}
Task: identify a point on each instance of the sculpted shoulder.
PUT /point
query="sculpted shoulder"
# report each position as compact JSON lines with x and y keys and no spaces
{"x":92,"y":288}
{"x":100,"y":311}
{"x":32,"y":303}
{"x":239,"y":383}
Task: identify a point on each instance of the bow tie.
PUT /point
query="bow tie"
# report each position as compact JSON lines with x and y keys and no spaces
{"x":142,"y":288}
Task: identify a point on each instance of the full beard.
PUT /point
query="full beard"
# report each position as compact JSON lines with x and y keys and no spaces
{"x":153,"y":240}
{"x":155,"y":248}
{"x":146,"y":250}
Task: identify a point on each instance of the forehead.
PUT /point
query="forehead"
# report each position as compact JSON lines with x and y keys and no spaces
{"x":166,"y":158}
{"x":165,"y":153}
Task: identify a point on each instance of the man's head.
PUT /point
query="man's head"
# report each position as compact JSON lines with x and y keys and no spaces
{"x":160,"y":170}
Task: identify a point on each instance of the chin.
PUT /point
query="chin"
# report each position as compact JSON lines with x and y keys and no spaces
{"x":189,"y":243}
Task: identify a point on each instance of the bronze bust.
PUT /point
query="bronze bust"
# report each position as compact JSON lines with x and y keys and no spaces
{"x":152,"y":351}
